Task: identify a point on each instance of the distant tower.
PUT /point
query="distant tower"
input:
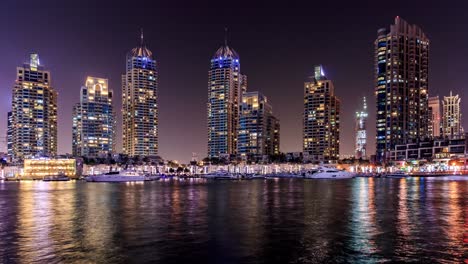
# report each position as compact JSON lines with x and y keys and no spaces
{"x":451,"y":120}
{"x":140,"y":103}
{"x":34,"y":112}
{"x":361,"y":132}
{"x":434,"y":115}
{"x":401,"y":86}
{"x":94,"y":120}
{"x":321,"y":124}
{"x":225,"y":86}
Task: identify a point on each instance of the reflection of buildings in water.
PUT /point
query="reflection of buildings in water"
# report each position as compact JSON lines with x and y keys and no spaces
{"x":326,"y":212}
{"x":455,"y":219}
{"x":34,"y":222}
{"x":99,"y":221}
{"x":363,"y":224}
{"x":403,"y":223}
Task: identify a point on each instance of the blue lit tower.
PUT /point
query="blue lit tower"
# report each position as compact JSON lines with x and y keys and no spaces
{"x":361,"y":132}
{"x":140,"y":103}
{"x":401,"y":86}
{"x":225,"y":86}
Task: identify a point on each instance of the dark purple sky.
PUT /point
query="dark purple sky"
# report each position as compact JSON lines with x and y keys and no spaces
{"x":278,"y":47}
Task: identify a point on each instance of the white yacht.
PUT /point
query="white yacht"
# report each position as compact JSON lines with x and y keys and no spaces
{"x":328,"y":173}
{"x":122,"y":176}
{"x":396,"y":174}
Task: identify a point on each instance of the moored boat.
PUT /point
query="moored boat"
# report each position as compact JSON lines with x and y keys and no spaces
{"x":396,"y":174}
{"x":329,"y":173}
{"x":122,"y":176}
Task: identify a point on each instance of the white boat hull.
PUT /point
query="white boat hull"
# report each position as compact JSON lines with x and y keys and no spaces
{"x":120,"y":178}
{"x":326,"y":175}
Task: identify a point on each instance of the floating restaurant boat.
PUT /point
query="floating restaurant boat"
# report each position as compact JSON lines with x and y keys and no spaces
{"x":122,"y":176}
{"x":329,"y":173}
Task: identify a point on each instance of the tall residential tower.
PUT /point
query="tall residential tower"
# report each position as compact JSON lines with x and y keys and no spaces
{"x":34,"y":112}
{"x":140,"y":103}
{"x":361,"y":132}
{"x":451,"y":120}
{"x":321,"y":124}
{"x":401,"y":86}
{"x":225,"y":86}
{"x":259,"y":128}
{"x":94,"y":120}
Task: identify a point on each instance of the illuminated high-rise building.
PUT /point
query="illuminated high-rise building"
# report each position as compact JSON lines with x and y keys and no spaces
{"x":140,"y":103}
{"x":94,"y":120}
{"x":401,"y":86}
{"x":225,"y":86}
{"x":434,"y":117}
{"x":321,"y":124}
{"x":361,"y":132}
{"x":10,"y":134}
{"x":451,"y":119}
{"x":258,"y":127}
{"x":34,"y":112}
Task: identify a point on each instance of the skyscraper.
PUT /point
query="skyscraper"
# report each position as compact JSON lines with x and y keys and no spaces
{"x":321,"y":125}
{"x":94,"y":120}
{"x":140,"y":103}
{"x":361,"y":132}
{"x":34,"y":112}
{"x":10,"y":134}
{"x":451,"y":120}
{"x":258,"y":128}
{"x":225,"y":86}
{"x":401,"y":79}
{"x":434,"y":117}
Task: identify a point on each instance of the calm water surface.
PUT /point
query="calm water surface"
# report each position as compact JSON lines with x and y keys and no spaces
{"x":265,"y":221}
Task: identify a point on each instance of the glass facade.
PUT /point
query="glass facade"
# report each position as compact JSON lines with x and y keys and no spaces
{"x":40,"y":168}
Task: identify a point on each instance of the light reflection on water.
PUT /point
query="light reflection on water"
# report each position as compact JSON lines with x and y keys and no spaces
{"x":267,"y":221}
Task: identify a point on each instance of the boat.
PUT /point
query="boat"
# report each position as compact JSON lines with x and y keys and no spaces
{"x":255,"y":176}
{"x":123,"y":176}
{"x":56,"y":178}
{"x":328,"y":173}
{"x":222,"y":175}
{"x":396,"y":174}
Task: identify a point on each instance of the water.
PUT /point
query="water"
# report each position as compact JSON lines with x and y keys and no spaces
{"x":265,"y":221}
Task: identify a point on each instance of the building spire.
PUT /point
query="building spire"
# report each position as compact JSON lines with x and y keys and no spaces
{"x":141,"y":36}
{"x":225,"y":36}
{"x":365,"y":104}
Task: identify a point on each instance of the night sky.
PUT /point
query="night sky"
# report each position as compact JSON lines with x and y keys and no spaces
{"x":278,"y":47}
